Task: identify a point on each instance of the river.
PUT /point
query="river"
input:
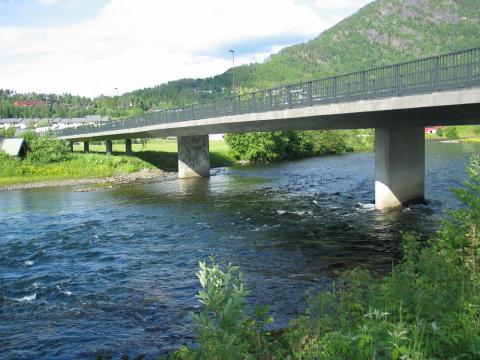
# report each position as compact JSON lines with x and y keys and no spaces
{"x":112,"y":272}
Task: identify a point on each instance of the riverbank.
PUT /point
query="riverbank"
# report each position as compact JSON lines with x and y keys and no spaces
{"x":142,"y":176}
{"x":156,"y":158}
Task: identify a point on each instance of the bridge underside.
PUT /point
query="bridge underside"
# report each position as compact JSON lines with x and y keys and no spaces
{"x":399,"y":124}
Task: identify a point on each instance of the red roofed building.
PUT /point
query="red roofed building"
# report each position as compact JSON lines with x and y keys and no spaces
{"x":432,"y":129}
{"x":27,"y":103}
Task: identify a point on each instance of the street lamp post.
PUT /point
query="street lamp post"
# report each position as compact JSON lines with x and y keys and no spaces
{"x":233,"y":70}
{"x":116,"y":94}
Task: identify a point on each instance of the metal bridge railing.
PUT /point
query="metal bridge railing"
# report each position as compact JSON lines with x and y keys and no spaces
{"x":457,"y":70}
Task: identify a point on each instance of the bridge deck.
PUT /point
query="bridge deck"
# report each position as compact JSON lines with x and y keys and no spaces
{"x":439,"y":90}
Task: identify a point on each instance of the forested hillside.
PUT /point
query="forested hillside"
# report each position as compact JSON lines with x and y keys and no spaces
{"x":383,"y":32}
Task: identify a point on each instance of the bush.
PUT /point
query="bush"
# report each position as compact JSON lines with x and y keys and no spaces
{"x":8,"y":132}
{"x":440,"y":132}
{"x":46,"y":148}
{"x":270,"y":146}
{"x":451,"y":133}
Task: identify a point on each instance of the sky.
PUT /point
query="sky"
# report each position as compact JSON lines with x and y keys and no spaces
{"x":93,"y":47}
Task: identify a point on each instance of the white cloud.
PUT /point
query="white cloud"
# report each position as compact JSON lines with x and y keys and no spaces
{"x":48,"y":2}
{"x":135,"y":44}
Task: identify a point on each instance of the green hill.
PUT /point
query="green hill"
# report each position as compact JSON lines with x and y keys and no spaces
{"x":383,"y":32}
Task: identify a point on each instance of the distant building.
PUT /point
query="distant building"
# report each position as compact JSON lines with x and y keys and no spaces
{"x":87,"y":120}
{"x":14,"y":147}
{"x":12,"y":122}
{"x":28,"y":103}
{"x":432,"y":129}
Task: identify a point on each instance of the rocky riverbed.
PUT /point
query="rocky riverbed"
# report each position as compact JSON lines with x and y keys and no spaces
{"x":143,"y":176}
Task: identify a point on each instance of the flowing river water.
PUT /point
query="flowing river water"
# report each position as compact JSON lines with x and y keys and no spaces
{"x":112,"y":272}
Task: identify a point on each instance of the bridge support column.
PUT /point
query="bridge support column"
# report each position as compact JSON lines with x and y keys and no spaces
{"x":86,"y":146}
{"x":71,"y":146}
{"x":193,"y":156}
{"x":128,"y":147}
{"x":399,"y":166}
{"x":108,"y":147}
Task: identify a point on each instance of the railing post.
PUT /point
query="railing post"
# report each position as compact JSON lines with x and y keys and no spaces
{"x":437,"y":73}
{"x":309,"y":94}
{"x":254,"y":103}
{"x":334,"y":87}
{"x":239,"y":105}
{"x":270,"y":99}
{"x":397,"y":80}
{"x":289,"y":94}
{"x":364,"y":86}
{"x":469,"y":74}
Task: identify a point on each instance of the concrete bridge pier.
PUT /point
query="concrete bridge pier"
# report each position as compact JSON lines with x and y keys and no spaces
{"x":193,"y":156}
{"x":71,"y":146}
{"x":108,"y":147}
{"x":399,"y":166}
{"x":128,"y":147}
{"x":86,"y":146}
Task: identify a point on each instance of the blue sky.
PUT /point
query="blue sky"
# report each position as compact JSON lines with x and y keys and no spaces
{"x":90,"y":47}
{"x":47,"y":12}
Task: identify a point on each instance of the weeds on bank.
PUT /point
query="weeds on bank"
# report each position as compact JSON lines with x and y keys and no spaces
{"x":427,"y":308}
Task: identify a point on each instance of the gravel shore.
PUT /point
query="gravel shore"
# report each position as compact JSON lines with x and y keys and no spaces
{"x":143,"y":176}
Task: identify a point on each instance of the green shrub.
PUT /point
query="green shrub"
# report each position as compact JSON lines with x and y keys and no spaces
{"x":46,"y":148}
{"x":270,"y":146}
{"x":7,"y":132}
{"x":224,"y":332}
{"x":451,"y":133}
{"x":440,"y":132}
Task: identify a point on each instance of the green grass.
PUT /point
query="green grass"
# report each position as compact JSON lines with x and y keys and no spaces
{"x":466,"y":133}
{"x":160,"y":154}
{"x":79,"y":166}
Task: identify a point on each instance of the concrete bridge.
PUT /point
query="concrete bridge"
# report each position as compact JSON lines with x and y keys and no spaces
{"x":399,"y":101}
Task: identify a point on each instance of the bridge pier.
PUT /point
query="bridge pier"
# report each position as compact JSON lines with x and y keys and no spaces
{"x":399,"y":166}
{"x":193,"y":156}
{"x":86,"y":146}
{"x":108,"y":147}
{"x":71,"y":146}
{"x":128,"y":147}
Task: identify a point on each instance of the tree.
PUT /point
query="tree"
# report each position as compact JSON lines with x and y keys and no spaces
{"x":10,"y":132}
{"x":451,"y":133}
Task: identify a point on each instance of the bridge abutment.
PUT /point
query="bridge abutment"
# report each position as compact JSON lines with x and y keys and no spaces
{"x":399,"y":166}
{"x":108,"y":147}
{"x":128,"y":147}
{"x":86,"y":146}
{"x":193,"y":156}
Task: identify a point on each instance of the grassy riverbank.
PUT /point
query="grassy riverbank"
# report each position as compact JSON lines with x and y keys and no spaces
{"x":463,"y":133}
{"x":160,"y":154}
{"x":77,"y":166}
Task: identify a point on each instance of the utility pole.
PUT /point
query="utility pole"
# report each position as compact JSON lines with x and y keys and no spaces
{"x":233,"y":70}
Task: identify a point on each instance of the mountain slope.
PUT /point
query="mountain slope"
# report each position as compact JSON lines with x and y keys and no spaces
{"x":383,"y":32}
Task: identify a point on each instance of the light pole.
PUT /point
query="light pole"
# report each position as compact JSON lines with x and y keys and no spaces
{"x":233,"y":70}
{"x":454,"y":27}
